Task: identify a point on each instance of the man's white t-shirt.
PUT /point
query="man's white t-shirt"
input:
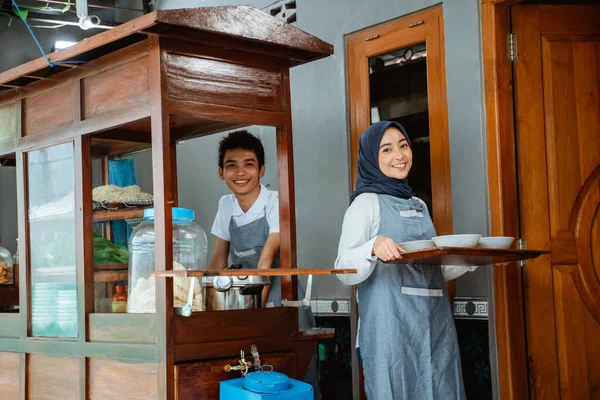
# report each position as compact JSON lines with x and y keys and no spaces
{"x":267,"y":203}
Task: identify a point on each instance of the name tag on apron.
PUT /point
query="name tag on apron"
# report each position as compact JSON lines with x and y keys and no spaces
{"x":244,"y":253}
{"x":412,"y":291}
{"x":411,"y":213}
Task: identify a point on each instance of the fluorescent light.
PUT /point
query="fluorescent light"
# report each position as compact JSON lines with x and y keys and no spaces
{"x":63,"y":44}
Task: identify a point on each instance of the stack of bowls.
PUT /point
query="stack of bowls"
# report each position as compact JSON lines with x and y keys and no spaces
{"x":67,"y":309}
{"x":54,"y":310}
{"x":44,"y":310}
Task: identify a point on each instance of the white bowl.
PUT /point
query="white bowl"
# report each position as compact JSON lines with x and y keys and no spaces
{"x":466,"y":240}
{"x":496,"y":242}
{"x":417,"y":245}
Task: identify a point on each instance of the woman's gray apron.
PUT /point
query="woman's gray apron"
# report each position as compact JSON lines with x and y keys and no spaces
{"x":246,"y":244}
{"x":407,"y":340}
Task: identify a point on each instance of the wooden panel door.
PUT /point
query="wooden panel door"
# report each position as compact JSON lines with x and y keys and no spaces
{"x":557,"y":90}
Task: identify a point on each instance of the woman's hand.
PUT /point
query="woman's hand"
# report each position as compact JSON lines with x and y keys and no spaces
{"x":386,"y":249}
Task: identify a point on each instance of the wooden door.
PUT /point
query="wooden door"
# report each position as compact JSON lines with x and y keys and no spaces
{"x":557,"y":90}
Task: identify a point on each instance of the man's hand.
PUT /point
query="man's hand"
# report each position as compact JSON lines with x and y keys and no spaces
{"x":267,"y":257}
{"x":386,"y":249}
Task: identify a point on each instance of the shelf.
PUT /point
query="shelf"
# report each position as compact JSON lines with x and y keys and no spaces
{"x":466,"y":256}
{"x":110,"y":276}
{"x":9,"y":295}
{"x":54,"y":271}
{"x":101,"y":216}
{"x":102,"y":272}
{"x":111,"y":267}
{"x":55,"y":217}
{"x":253,"y":272}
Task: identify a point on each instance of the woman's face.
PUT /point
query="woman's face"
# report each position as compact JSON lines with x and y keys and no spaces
{"x":395,"y":155}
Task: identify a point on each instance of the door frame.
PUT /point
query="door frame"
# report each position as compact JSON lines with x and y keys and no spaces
{"x":424,"y":26}
{"x":503,"y":197}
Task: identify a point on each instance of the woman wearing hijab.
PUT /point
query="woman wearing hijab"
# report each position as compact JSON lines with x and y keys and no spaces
{"x":407,"y":339}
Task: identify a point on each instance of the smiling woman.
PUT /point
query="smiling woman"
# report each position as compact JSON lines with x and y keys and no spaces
{"x":383,"y":212}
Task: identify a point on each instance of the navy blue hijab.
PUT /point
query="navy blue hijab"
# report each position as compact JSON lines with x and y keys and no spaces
{"x":370,"y":178}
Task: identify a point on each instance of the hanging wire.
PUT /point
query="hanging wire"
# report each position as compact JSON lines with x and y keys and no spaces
{"x":10,"y":20}
{"x":48,"y":26}
{"x":51,"y":64}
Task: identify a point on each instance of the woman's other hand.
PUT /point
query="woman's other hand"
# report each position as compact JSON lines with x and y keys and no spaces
{"x":386,"y":249}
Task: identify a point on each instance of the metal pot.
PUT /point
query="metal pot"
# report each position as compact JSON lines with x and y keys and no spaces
{"x":234,"y":292}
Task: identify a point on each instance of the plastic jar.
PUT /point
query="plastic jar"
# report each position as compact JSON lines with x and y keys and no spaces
{"x":6,"y":267}
{"x":189,"y":252}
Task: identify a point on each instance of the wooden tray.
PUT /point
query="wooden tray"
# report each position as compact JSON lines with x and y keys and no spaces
{"x":253,"y":272}
{"x":467,"y":256}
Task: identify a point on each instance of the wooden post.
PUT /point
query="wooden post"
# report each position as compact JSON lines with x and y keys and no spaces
{"x":287,"y":203}
{"x":163,"y":222}
{"x":84,"y":248}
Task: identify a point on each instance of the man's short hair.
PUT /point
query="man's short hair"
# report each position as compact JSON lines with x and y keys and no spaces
{"x":241,"y":139}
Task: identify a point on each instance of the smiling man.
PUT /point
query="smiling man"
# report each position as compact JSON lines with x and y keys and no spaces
{"x":247,"y":222}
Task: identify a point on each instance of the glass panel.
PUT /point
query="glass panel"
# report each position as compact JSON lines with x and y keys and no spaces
{"x":51,"y":214}
{"x":398,"y":84}
{"x":119,"y":204}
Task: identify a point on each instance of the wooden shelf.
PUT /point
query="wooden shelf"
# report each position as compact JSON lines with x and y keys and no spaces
{"x":101,"y":216}
{"x":110,"y":276}
{"x":55,"y":217}
{"x":253,"y":272}
{"x":9,"y":295}
{"x":54,"y":271}
{"x":110,"y":272}
{"x":111,"y":267}
{"x":467,"y":256}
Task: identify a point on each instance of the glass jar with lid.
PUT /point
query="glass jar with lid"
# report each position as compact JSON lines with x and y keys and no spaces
{"x":189,"y":253}
{"x":6,"y":267}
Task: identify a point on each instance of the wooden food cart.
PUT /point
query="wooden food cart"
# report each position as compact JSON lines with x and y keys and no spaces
{"x":147,"y":84}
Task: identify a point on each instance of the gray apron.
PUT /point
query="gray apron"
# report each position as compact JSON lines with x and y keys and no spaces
{"x":408,"y":341}
{"x":246,"y":244}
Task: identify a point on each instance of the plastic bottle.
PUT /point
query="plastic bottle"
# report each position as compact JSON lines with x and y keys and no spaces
{"x":119,"y":300}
